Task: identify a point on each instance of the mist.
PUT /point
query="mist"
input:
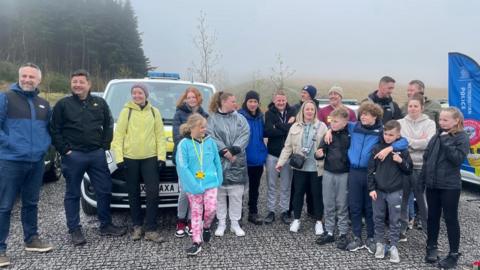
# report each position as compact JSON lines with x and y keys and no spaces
{"x":344,"y":40}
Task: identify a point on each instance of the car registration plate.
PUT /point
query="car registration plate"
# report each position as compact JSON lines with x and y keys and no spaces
{"x":163,"y":188}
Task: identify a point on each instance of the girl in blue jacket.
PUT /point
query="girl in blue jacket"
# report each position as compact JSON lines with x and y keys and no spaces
{"x":200,"y":173}
{"x":256,"y":151}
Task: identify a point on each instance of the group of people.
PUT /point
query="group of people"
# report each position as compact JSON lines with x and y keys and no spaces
{"x":346,"y":168}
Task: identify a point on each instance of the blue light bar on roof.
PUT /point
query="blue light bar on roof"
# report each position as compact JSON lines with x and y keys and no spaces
{"x":163,"y":75}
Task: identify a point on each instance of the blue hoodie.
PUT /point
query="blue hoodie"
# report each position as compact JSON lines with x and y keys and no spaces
{"x":363,"y":139}
{"x":256,"y":148}
{"x":24,"y":121}
{"x":188,"y":164}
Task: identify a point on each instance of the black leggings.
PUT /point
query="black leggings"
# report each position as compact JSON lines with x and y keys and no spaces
{"x":303,"y":183}
{"x":446,"y":200}
{"x":146,"y":169}
{"x":254,"y":176}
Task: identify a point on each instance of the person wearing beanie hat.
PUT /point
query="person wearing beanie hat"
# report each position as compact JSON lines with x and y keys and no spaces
{"x":335,"y":95}
{"x":142,"y":87}
{"x":256,"y":151}
{"x":311,"y":90}
{"x":140,"y":152}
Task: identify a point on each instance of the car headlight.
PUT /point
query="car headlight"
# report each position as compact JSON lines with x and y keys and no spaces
{"x":109,"y":156}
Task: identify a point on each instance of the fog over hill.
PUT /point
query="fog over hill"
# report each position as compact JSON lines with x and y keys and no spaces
{"x":344,"y":40}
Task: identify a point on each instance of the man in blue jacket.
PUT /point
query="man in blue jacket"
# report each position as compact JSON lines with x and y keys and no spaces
{"x":24,"y":140}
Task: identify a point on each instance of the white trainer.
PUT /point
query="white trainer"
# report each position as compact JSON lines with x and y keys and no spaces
{"x":220,"y":231}
{"x":318,"y":228}
{"x":295,"y":225}
{"x":235,"y":228}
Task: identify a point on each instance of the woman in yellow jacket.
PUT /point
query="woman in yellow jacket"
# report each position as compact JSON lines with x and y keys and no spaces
{"x":139,"y":147}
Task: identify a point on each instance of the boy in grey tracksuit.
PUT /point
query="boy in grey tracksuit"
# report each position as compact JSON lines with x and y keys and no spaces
{"x":335,"y":179}
{"x":385,"y":186}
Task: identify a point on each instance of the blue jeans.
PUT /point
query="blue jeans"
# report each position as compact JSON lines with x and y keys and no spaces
{"x":360,"y":202}
{"x":74,"y":166}
{"x":24,"y":178}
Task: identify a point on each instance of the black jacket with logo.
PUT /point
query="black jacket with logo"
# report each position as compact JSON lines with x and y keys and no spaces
{"x":336,"y":153}
{"x":276,"y":128}
{"x":443,"y":159}
{"x":388,"y":175}
{"x":81,"y":125}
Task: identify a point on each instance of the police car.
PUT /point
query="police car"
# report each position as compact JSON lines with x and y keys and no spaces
{"x":164,"y":91}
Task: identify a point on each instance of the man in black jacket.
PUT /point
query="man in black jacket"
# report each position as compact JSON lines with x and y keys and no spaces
{"x":385,"y":186}
{"x":278,"y":120}
{"x":82,"y":130}
{"x":383,"y":97}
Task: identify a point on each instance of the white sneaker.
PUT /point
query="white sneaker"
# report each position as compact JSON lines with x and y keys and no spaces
{"x":394,"y":257}
{"x":220,"y":231}
{"x":318,"y":228}
{"x":235,"y":228}
{"x":379,"y":251}
{"x":295,"y":225}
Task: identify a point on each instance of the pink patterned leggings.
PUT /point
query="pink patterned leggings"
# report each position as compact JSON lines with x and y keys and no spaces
{"x":197,"y":203}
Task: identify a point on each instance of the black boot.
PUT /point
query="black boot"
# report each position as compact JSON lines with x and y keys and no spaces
{"x":450,"y":261}
{"x":253,"y":218}
{"x":432,"y":254}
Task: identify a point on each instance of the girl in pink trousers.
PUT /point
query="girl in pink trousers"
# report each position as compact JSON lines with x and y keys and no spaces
{"x":200,"y":173}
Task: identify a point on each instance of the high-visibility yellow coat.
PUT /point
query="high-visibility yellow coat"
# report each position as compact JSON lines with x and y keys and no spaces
{"x":140,"y":135}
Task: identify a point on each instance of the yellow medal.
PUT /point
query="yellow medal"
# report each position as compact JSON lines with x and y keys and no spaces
{"x":199,"y":174}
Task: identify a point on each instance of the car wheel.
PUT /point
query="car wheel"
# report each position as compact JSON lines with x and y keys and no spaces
{"x":87,"y":208}
{"x":55,"y":171}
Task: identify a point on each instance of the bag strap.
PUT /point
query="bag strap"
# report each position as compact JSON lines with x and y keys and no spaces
{"x":130,"y":114}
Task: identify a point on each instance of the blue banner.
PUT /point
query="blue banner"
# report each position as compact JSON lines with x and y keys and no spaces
{"x":464,"y":93}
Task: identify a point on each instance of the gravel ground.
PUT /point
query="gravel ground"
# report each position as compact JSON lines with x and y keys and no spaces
{"x":263,"y":247}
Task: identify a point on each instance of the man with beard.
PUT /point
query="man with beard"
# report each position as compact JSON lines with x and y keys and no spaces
{"x":383,"y":97}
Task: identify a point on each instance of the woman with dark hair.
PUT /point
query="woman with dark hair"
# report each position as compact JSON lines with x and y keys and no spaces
{"x":231,"y":133}
{"x":256,"y":151}
{"x":189,"y":102}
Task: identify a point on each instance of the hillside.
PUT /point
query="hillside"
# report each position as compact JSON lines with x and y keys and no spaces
{"x":352,"y":89}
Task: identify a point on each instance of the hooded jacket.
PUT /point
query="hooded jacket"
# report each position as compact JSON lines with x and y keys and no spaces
{"x":418,"y":133}
{"x":188,"y":165}
{"x":24,"y":120}
{"x":293,"y":143}
{"x":362,"y":140}
{"x":181,"y":115}
{"x":256,"y":149}
{"x":443,"y":159}
{"x":141,"y":136}
{"x":391,"y":110}
{"x":276,"y":128}
{"x":81,"y":125}
{"x":387,"y":175}
{"x":230,"y":131}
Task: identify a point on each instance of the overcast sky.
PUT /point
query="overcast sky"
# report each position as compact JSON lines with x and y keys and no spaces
{"x":342,"y":39}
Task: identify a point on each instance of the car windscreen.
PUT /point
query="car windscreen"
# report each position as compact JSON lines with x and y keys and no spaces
{"x":162,"y":95}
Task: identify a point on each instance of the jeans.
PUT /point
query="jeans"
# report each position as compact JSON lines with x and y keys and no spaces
{"x":24,"y":178}
{"x":74,"y":166}
{"x":360,"y":202}
{"x":146,"y":169}
{"x":254,"y":176}
{"x":414,"y":184}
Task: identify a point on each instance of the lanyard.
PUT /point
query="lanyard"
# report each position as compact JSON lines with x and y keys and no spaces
{"x":199,"y":155}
